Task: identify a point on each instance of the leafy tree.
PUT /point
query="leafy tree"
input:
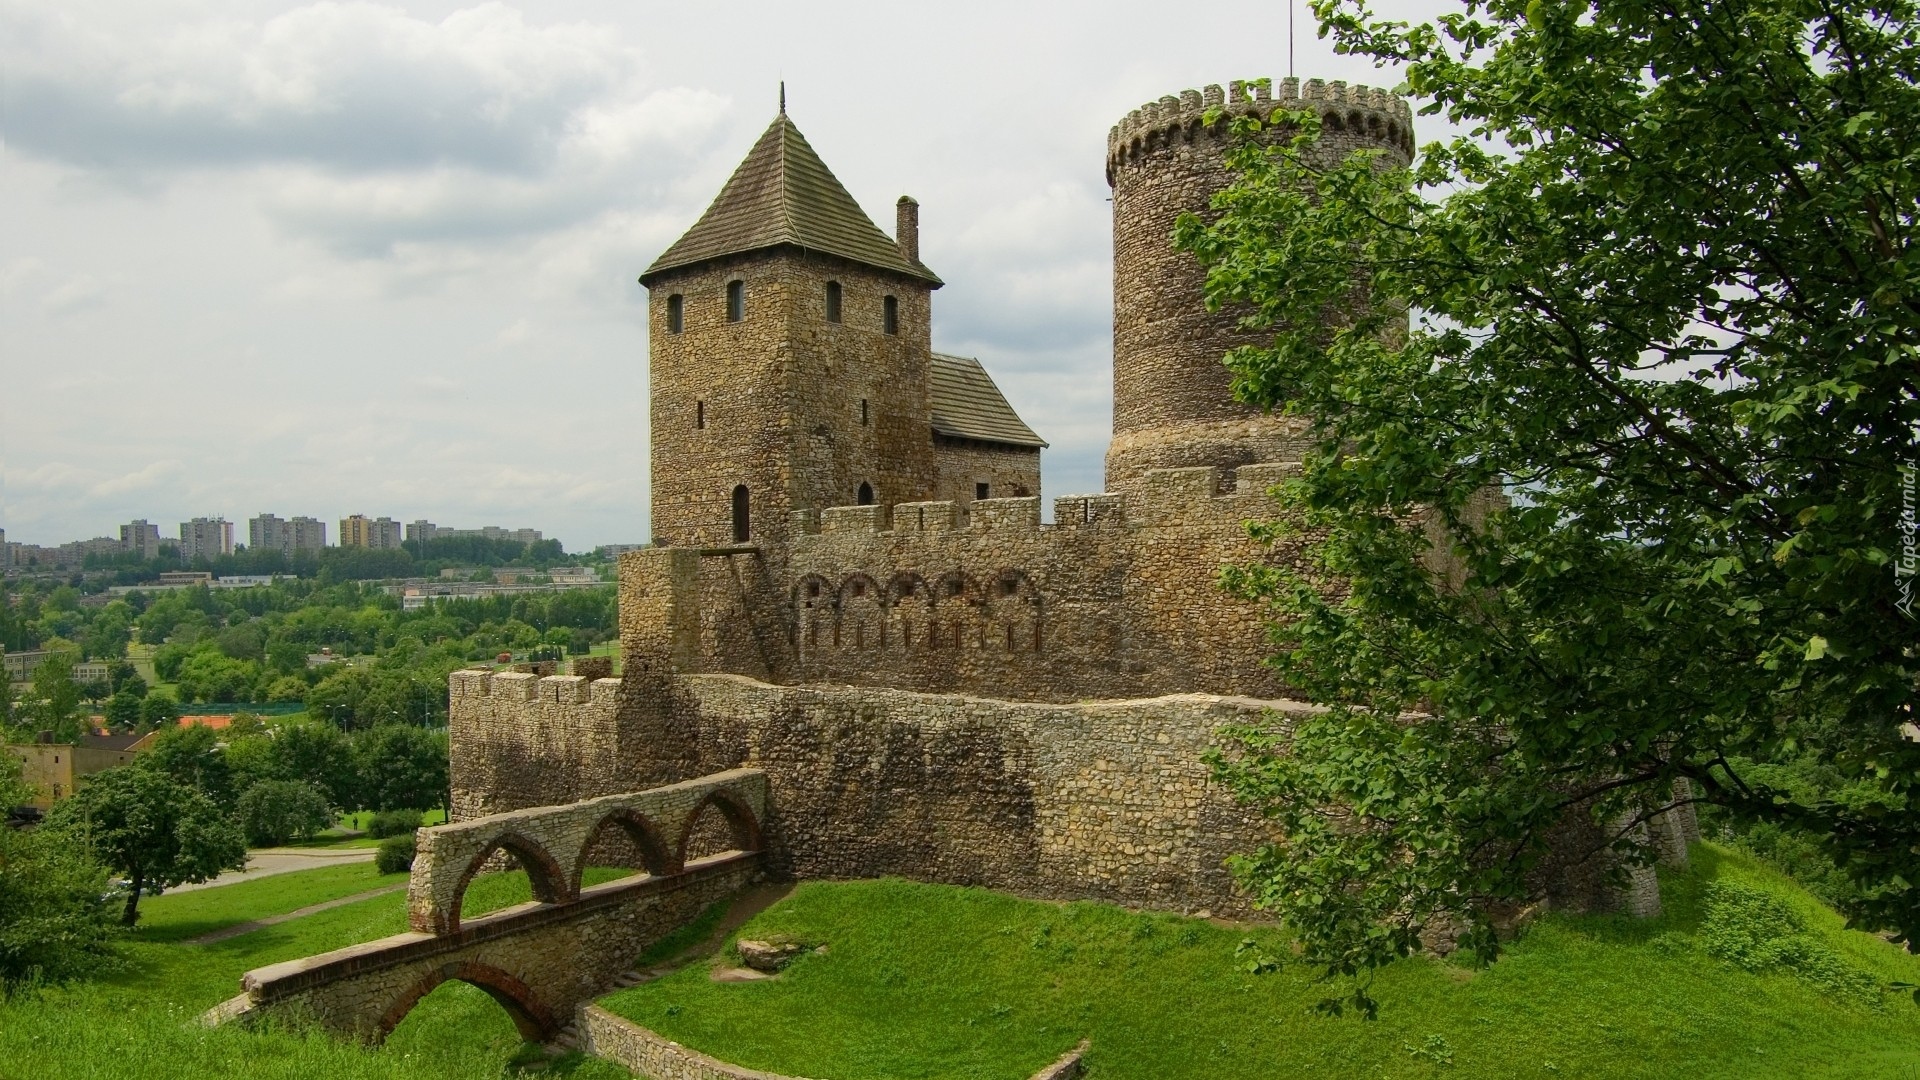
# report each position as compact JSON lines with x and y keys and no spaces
{"x":401,"y":767}
{"x":155,"y":830}
{"x":123,"y":711}
{"x":53,"y":700}
{"x":159,"y":711}
{"x":1677,"y":318}
{"x":319,"y":754}
{"x":274,"y":811}
{"x":192,"y":756}
{"x":56,"y":918}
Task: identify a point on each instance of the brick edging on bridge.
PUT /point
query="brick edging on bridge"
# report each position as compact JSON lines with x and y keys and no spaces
{"x":653,"y":1055}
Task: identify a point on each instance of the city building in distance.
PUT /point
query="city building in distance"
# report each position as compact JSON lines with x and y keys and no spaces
{"x":359,"y":530}
{"x":205,"y":538}
{"x":422,"y":530}
{"x":139,"y":538}
{"x":270,"y":533}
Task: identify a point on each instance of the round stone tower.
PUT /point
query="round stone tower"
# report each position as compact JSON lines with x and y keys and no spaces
{"x":1173,"y":403}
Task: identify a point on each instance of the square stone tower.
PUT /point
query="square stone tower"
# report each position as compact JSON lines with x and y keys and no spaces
{"x":790,"y":353}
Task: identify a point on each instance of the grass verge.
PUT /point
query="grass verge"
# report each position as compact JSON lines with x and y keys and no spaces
{"x":964,"y":984}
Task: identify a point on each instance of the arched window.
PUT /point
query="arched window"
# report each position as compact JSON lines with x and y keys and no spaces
{"x":890,"y":315}
{"x":736,"y":301}
{"x":741,"y":529}
{"x":833,"y":301}
{"x":676,"y":313}
{"x":866,"y":493}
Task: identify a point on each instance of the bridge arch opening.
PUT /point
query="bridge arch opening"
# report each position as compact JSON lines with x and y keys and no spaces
{"x":549,"y":883}
{"x":534,"y":1021}
{"x":625,"y":838}
{"x":720,"y":825}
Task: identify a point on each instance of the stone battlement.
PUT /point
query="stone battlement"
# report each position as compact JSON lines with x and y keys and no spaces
{"x":1167,"y":496}
{"x":514,"y":686}
{"x":1362,"y":107}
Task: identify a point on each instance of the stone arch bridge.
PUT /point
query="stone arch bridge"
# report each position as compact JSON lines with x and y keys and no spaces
{"x":542,"y":959}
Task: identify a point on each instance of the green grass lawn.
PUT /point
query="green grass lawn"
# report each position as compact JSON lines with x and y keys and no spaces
{"x":922,"y":981}
{"x":138,"y":1021}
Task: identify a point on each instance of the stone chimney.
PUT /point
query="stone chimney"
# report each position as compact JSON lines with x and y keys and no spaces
{"x":906,"y":227}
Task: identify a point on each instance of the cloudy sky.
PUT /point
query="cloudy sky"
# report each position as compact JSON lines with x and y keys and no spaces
{"x":380,"y":257}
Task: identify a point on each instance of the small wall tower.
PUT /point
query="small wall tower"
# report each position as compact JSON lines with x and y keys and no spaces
{"x":789,"y":352}
{"x":1173,"y":402}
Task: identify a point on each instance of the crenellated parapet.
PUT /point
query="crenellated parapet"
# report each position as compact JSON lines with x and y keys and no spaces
{"x":1343,"y":107}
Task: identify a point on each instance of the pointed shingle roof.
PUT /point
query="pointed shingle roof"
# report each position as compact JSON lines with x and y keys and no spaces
{"x":784,"y":195}
{"x":967,"y":405}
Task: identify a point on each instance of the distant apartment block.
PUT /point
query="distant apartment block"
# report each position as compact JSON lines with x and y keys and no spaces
{"x":359,"y":530}
{"x":270,"y":533}
{"x":205,"y":538}
{"x":421,"y":531}
{"x":139,"y":538}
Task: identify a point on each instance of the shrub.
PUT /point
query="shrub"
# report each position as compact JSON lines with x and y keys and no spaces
{"x":392,"y":823}
{"x":1757,"y":931}
{"x":395,"y":855}
{"x":275,"y":811}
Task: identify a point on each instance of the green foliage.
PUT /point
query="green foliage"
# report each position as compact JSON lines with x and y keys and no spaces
{"x":56,"y":918}
{"x":393,"y":823}
{"x":159,"y":711}
{"x":321,"y":755}
{"x":273,"y":812}
{"x":158,"y":832}
{"x":123,"y":710}
{"x":1676,"y":320}
{"x":52,"y":700}
{"x":193,"y":757}
{"x":395,"y":855}
{"x":1757,"y":931}
{"x":401,"y":767}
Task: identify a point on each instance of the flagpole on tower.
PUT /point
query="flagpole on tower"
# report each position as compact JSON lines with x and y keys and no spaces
{"x":1290,"y":4}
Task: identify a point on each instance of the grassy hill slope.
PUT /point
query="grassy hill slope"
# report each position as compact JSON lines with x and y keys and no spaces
{"x":922,"y":981}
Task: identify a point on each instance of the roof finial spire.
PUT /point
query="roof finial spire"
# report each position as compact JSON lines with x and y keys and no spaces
{"x":783,"y":97}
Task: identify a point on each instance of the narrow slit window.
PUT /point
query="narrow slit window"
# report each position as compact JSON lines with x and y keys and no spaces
{"x":736,"y":301}
{"x":676,"y":313}
{"x":890,"y":315}
{"x":833,"y":301}
{"x":741,"y":526}
{"x":699,"y":414}
{"x":863,"y":412}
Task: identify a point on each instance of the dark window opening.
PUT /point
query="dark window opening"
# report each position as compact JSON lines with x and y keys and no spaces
{"x":980,"y":491}
{"x":890,"y":315}
{"x":699,"y":414}
{"x":813,"y":588}
{"x":953,"y":587}
{"x":741,"y":528}
{"x":833,"y":301}
{"x":865,"y":494}
{"x":863,"y":412}
{"x":676,"y":313}
{"x":736,"y":301}
{"x":1010,"y":639}
{"x":859,"y":589}
{"x":1009,"y":586}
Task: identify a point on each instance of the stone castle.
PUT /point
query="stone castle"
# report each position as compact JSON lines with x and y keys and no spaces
{"x":855,"y":649}
{"x":852,"y":588}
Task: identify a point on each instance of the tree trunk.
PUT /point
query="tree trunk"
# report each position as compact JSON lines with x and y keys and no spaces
{"x":133,"y":900}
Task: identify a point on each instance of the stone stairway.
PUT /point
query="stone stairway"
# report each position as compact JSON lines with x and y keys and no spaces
{"x":570,"y":1037}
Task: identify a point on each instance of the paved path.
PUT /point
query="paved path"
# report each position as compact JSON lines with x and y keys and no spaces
{"x":265,"y":862}
{"x":237,"y":929}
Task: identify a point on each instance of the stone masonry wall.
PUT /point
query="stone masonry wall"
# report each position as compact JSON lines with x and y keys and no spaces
{"x":775,"y":401}
{"x":1119,"y":598}
{"x":1173,"y":403}
{"x":963,"y":464}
